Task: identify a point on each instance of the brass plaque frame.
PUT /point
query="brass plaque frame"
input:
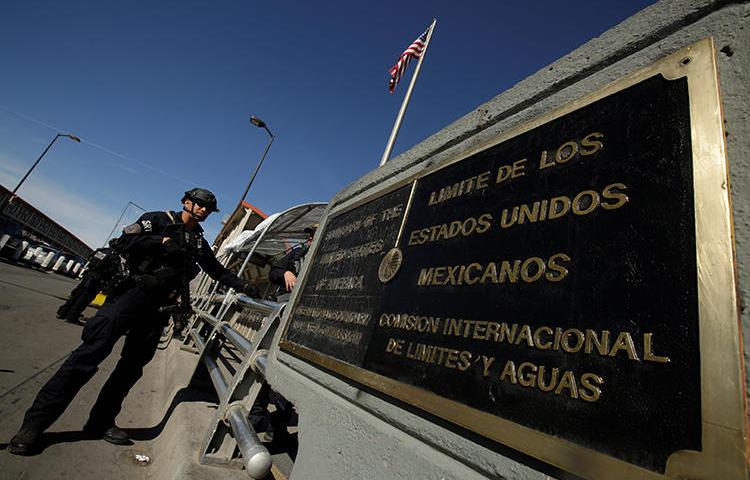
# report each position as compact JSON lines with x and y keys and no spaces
{"x":724,"y":418}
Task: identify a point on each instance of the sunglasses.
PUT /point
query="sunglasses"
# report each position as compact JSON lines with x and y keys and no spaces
{"x":200,"y":204}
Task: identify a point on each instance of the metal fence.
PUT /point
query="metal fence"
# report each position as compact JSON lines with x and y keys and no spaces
{"x":231,"y":336}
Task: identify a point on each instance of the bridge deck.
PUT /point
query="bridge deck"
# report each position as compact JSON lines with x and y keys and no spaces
{"x":166,"y":421}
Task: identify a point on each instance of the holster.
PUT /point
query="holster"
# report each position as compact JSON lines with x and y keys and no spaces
{"x":161,"y":280}
{"x":120,"y":285}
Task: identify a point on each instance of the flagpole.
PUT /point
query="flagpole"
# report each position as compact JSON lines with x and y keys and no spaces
{"x":405,"y":103}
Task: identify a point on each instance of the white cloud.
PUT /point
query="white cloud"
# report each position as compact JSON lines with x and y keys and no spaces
{"x":79,"y":215}
{"x":10,"y":171}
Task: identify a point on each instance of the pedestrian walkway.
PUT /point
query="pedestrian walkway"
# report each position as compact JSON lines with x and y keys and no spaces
{"x":166,"y":421}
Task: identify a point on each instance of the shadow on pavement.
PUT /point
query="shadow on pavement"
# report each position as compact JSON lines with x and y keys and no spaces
{"x":185,"y":394}
{"x":139,"y":434}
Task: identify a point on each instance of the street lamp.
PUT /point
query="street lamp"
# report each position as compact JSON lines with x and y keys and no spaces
{"x":13,"y":193}
{"x":120,"y":218}
{"x":260,"y":124}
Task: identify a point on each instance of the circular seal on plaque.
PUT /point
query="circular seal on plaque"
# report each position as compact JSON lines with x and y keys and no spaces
{"x":390,"y":265}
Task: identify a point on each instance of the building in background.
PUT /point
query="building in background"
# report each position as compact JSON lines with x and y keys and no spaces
{"x":245,"y":217}
{"x":21,"y":218}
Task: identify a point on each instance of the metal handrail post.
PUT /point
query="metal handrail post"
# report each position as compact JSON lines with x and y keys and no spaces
{"x":217,"y":378}
{"x":231,"y":422}
{"x":196,"y":336}
{"x":257,"y":460}
{"x":265,"y":306}
{"x":236,"y":339}
{"x":202,"y":281}
{"x":216,"y":284}
{"x":210,"y":296}
{"x":224,"y":305}
{"x":210,"y":319}
{"x":260,"y":363}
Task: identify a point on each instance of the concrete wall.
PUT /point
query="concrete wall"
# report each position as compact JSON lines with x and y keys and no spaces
{"x":346,"y":433}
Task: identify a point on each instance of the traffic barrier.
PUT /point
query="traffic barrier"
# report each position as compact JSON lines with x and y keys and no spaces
{"x":58,"y":264}
{"x":232,"y":333}
{"x":48,"y":259}
{"x":29,"y":254}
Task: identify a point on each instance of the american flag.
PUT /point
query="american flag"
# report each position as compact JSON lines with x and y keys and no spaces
{"x":414,"y":50}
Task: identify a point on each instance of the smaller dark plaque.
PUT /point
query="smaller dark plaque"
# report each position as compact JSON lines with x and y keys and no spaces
{"x":334,"y":314}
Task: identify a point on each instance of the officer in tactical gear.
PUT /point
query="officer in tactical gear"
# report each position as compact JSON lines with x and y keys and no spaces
{"x":163,"y":251}
{"x":103,"y":266}
{"x":284,"y":271}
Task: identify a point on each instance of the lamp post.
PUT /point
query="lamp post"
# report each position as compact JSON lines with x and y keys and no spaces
{"x":260,"y":124}
{"x":13,"y":193}
{"x":120,"y":218}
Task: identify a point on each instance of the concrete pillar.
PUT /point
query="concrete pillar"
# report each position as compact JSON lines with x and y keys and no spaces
{"x":48,"y":259}
{"x":3,"y":240}
{"x":76,"y":268}
{"x":58,"y":263}
{"x":39,"y":256}
{"x":30,"y":253}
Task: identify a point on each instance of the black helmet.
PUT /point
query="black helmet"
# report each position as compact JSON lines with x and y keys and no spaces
{"x":203,"y":197}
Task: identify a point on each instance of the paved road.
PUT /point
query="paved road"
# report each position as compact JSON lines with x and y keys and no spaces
{"x":28,"y":302}
{"x":166,"y":420}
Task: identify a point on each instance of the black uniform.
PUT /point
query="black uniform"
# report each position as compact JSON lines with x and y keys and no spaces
{"x":156,"y":271}
{"x":103,"y":265}
{"x":291,"y":262}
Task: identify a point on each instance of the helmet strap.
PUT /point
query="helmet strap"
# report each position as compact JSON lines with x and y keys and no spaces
{"x":191,"y":211}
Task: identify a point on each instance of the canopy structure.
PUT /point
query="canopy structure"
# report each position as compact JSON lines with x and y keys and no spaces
{"x":250,"y":253}
{"x":280,"y":232}
{"x":275,"y":235}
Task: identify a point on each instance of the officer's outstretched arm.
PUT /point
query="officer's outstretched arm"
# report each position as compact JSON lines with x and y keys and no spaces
{"x":216,"y":270}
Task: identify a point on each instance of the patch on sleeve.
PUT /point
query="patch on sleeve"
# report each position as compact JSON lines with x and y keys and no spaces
{"x":133,"y":229}
{"x":146,"y":225}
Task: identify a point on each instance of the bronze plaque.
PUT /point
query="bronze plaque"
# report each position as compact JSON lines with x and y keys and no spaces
{"x":550,"y":290}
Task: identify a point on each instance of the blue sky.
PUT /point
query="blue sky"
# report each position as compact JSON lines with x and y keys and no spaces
{"x":161,"y":92}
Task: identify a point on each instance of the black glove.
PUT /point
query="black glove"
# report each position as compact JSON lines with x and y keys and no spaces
{"x":251,"y":290}
{"x":172,"y":250}
{"x":146,"y":282}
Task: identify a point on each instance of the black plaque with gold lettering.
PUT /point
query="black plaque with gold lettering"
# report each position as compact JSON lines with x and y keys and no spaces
{"x":546,"y":284}
{"x":536,"y":296}
{"x":334,"y":316}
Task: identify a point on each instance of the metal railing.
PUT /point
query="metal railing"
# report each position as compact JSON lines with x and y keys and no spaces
{"x":232,"y":334}
{"x":232,"y":355}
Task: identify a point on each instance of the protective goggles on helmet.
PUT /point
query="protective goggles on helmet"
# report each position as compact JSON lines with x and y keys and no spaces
{"x":202,"y":197}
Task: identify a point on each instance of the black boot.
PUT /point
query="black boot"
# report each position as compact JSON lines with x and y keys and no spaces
{"x":113,"y":434}
{"x":116,"y":436}
{"x":25,"y":442}
{"x":74,"y":320}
